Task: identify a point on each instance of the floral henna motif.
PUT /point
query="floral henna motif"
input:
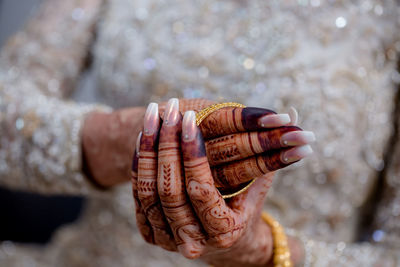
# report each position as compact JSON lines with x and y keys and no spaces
{"x":222,"y":224}
{"x":171,"y":188}
{"x":236,"y":235}
{"x":254,"y":246}
{"x":182,"y":204}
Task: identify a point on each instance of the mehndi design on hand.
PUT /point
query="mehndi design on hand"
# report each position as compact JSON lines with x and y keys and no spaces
{"x":230,"y":227}
{"x":179,"y":207}
{"x":147,"y":179}
{"x":141,"y":220}
{"x":171,"y":186}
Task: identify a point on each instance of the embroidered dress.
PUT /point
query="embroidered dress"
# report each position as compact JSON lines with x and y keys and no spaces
{"x":334,"y":61}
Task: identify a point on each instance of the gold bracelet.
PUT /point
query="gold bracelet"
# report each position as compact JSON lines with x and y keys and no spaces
{"x":204,"y":113}
{"x":281,"y":255}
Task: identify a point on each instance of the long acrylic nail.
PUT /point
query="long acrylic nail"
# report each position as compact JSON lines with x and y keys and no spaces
{"x":189,"y":127}
{"x":297,"y":138}
{"x":171,"y":115}
{"x":294,"y":116}
{"x":138,"y":143}
{"x":274,"y":120}
{"x":296,"y":154}
{"x":151,"y":119}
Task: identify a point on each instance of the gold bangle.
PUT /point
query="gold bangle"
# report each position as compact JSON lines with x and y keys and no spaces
{"x":204,"y":113}
{"x":281,"y":255}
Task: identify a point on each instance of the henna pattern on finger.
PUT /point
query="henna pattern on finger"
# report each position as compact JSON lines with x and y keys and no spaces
{"x":234,"y":227}
{"x":242,"y":145}
{"x":254,"y":246}
{"x":232,"y":120}
{"x":185,"y":227}
{"x":147,"y":192}
{"x":178,"y":211}
{"x":222,"y":224}
{"x":141,"y":221}
{"x":238,"y":172}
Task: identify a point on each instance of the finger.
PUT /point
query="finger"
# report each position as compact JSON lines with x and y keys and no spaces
{"x":222,"y":224}
{"x":252,"y":200}
{"x":141,"y":220}
{"x":185,"y":226}
{"x":195,"y":104}
{"x":234,"y":120}
{"x":238,"y":172}
{"x":242,"y":145}
{"x":147,"y":180}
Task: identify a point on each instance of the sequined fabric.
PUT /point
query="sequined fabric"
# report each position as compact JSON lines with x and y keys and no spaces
{"x":40,"y":147}
{"x":332,"y":60}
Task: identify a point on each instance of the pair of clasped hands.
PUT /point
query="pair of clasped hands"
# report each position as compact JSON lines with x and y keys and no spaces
{"x":179,"y":169}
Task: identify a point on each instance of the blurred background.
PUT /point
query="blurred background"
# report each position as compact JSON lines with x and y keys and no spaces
{"x":24,"y":214}
{"x":13,"y":15}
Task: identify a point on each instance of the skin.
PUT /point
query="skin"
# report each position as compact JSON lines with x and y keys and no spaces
{"x":108,"y":139}
{"x":251,"y":154}
{"x":178,"y":205}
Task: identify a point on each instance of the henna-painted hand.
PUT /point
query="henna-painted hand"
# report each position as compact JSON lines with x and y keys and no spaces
{"x":108,"y":139}
{"x":180,"y":208}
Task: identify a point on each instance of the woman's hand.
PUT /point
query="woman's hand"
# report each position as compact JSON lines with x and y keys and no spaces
{"x":108,"y":139}
{"x":180,"y":208}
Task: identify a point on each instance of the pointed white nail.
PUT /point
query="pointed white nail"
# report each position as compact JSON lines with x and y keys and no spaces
{"x":296,"y":154}
{"x":171,"y":112}
{"x":297,"y":138}
{"x":151,"y":119}
{"x":294,"y":116}
{"x":274,"y":120}
{"x":189,"y":127}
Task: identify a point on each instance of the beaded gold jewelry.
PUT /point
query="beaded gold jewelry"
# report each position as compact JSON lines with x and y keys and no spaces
{"x":204,"y":113}
{"x":281,"y":255}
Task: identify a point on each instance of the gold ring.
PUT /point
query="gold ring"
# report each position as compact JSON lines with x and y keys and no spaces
{"x":204,"y":113}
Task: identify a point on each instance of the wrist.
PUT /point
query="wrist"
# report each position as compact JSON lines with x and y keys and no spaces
{"x":108,"y":142}
{"x":264,"y":236}
{"x":287,"y":250}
